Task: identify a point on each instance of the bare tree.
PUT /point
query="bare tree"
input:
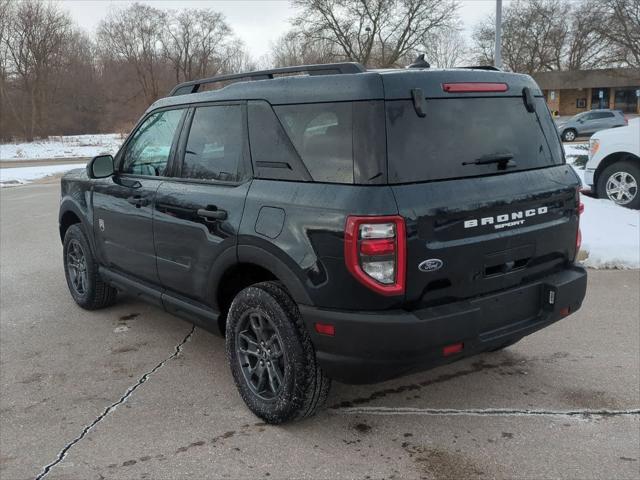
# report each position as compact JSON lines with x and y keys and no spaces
{"x":585,"y":47}
{"x":542,"y":35}
{"x":196,"y":43}
{"x":135,"y":35}
{"x":445,"y":48}
{"x":295,"y":48}
{"x":373,"y":32}
{"x":620,"y":25}
{"x":35,"y":39}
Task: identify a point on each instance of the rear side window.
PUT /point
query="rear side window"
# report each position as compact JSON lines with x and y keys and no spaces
{"x":215,"y":145}
{"x":455,"y":132}
{"x":598,"y":115}
{"x":322,"y":134}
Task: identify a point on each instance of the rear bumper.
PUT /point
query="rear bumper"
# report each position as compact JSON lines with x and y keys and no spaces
{"x":370,"y":347}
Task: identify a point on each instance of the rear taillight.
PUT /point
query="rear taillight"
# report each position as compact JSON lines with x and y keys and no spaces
{"x":375,"y":252}
{"x":470,"y":87}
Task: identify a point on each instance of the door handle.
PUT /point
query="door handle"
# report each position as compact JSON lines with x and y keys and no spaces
{"x":138,"y":201}
{"x":212,"y":213}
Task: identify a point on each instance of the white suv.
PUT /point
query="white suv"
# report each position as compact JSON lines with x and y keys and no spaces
{"x":613,"y":169}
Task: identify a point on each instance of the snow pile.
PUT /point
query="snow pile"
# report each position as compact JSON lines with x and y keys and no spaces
{"x":73,"y":146}
{"x":22,"y":175}
{"x":610,"y":234}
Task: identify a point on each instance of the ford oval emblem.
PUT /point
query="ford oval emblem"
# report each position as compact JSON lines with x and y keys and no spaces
{"x":431,"y":265}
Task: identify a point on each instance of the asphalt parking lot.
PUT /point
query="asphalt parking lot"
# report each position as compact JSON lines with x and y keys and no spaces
{"x":132,"y":392}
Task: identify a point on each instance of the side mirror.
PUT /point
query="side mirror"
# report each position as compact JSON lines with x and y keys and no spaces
{"x":100,"y":167}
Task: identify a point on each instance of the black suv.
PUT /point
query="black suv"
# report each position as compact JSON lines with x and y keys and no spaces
{"x":335,"y":223}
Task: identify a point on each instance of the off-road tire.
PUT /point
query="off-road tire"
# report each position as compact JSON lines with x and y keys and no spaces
{"x":622,"y":166}
{"x":305,"y":387}
{"x":97,"y":293}
{"x":569,"y":135}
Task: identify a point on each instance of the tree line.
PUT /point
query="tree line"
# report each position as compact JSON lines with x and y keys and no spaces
{"x":57,"y":79}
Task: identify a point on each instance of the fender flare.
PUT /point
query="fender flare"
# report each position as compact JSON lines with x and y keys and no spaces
{"x":70,"y":205}
{"x":271,"y":258}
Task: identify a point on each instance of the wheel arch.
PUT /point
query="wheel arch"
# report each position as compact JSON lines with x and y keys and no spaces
{"x":253,"y":264}
{"x":71,"y":214}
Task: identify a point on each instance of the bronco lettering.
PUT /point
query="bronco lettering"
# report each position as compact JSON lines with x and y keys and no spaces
{"x":512,"y":219}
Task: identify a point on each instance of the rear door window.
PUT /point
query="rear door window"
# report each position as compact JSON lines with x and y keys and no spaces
{"x":456,"y":132}
{"x":322,"y":134}
{"x":215,"y":146}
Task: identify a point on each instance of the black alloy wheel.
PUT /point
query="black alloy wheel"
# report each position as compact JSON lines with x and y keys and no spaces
{"x":260,"y":354}
{"x":77,"y":267}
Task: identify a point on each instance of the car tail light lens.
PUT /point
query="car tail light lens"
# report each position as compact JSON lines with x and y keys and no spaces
{"x":594,"y":146}
{"x":375,"y":252}
{"x":469,"y":87}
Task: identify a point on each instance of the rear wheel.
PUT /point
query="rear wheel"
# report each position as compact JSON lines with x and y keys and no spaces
{"x":271,"y":356}
{"x":81,"y":270}
{"x":569,"y":135}
{"x":619,"y":183}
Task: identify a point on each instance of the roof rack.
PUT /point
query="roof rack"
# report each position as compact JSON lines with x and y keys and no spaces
{"x":482,"y":67}
{"x":326,"y":69}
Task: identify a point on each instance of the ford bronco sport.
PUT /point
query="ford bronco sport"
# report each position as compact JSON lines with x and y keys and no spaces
{"x":335,"y":223}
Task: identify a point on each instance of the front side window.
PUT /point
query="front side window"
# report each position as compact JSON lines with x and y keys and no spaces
{"x":148,"y":151}
{"x":216,"y":143}
{"x":322,"y":133}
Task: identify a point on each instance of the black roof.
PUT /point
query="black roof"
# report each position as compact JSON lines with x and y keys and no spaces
{"x":326,"y":83}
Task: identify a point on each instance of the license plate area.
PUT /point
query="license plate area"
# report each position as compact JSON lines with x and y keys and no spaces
{"x":511,"y":308}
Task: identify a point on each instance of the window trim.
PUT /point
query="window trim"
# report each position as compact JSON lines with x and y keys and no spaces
{"x":245,"y":166}
{"x":119,"y":158}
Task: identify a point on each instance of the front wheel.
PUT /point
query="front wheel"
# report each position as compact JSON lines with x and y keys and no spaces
{"x":619,"y":183}
{"x":569,"y":135}
{"x":81,"y":270}
{"x":271,"y":356}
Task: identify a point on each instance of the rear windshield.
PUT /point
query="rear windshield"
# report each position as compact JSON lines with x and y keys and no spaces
{"x":456,"y":131}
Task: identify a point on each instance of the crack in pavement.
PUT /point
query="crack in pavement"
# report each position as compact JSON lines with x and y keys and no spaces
{"x":483,"y":412}
{"x":45,"y":471}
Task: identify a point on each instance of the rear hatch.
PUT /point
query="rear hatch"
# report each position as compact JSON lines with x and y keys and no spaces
{"x":480,"y":179}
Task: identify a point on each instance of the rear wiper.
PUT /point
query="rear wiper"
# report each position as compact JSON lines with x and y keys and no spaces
{"x":504,"y":160}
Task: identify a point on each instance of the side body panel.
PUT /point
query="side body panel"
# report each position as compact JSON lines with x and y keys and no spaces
{"x":123,"y":226}
{"x":306,"y":252}
{"x":188,"y":245}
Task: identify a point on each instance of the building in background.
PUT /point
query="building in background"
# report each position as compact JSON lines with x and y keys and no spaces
{"x":572,"y":92}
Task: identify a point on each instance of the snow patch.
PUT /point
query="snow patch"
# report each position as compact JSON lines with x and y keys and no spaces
{"x":71,"y":146}
{"x":610,"y":234}
{"x":22,"y":175}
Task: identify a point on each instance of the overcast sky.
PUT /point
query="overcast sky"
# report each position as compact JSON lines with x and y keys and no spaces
{"x":257,"y":22}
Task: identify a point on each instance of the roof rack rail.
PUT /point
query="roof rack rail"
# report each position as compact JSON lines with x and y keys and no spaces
{"x":482,"y":67}
{"x":323,"y":69}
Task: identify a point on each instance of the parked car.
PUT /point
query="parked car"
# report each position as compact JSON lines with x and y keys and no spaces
{"x":346,"y":224}
{"x":613,"y":168}
{"x":587,"y":123}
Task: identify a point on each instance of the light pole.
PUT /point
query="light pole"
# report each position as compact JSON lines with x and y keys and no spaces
{"x":498,"y":47}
